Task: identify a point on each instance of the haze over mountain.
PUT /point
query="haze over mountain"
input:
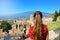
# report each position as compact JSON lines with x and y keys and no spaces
{"x":21,"y":15}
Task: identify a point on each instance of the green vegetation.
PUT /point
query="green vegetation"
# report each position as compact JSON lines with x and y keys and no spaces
{"x":10,"y":22}
{"x":56,"y":14}
{"x":54,"y":25}
{"x":24,"y":26}
{"x":6,"y":26}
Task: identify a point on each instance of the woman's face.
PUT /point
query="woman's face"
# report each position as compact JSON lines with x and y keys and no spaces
{"x":37,"y":17}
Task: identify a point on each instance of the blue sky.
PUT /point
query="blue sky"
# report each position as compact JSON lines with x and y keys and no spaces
{"x":17,"y":6}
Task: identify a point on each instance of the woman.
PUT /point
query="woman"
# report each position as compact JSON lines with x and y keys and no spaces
{"x":38,"y":31}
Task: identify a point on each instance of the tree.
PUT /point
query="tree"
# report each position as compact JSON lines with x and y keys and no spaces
{"x":24,"y":25}
{"x":59,"y":13}
{"x":55,"y":16}
{"x":6,"y":26}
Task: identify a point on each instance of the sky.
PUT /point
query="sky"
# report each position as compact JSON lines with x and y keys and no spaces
{"x":8,"y":7}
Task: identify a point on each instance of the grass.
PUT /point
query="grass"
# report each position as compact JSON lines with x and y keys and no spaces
{"x":53,"y":25}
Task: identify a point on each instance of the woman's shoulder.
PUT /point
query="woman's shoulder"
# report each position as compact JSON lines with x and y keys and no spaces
{"x":45,"y":27}
{"x":31,"y":28}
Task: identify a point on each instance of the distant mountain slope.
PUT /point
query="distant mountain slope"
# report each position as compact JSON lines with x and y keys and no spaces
{"x":21,"y":15}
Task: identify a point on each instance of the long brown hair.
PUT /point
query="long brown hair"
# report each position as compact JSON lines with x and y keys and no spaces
{"x":38,"y":27}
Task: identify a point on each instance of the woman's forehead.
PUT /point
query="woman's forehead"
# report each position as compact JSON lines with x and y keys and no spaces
{"x":37,"y":13}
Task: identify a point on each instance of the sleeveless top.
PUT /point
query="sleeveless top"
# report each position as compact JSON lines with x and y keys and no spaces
{"x":30,"y":33}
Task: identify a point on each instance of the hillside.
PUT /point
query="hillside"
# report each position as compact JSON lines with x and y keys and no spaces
{"x":22,"y":15}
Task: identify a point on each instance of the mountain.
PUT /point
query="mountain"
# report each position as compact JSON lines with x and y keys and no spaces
{"x":21,"y":15}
